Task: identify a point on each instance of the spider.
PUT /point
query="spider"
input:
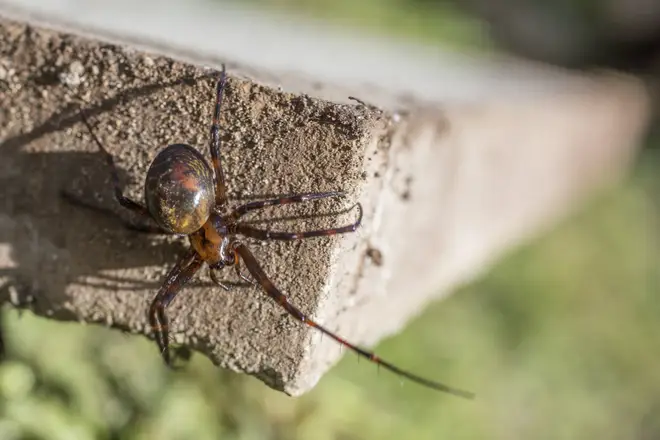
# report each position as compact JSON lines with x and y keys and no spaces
{"x":184,"y":196}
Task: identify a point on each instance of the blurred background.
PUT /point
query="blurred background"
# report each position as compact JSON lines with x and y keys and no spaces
{"x":560,"y":340}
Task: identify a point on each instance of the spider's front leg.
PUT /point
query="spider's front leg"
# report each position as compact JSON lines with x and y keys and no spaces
{"x":178,"y":276}
{"x":237,"y":268}
{"x":216,"y":280}
{"x":234,"y":261}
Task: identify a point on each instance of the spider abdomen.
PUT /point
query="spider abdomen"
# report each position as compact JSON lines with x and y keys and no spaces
{"x":179,"y":189}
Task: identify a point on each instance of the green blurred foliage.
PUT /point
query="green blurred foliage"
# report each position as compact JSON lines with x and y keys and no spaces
{"x":422,"y":21}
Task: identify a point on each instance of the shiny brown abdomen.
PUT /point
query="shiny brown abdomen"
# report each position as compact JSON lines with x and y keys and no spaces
{"x":179,"y":189}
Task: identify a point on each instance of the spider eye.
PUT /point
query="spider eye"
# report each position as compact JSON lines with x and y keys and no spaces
{"x":179,"y":189}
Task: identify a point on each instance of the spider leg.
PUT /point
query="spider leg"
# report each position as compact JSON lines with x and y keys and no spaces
{"x":295,"y":198}
{"x":220,"y":184}
{"x":139,"y":227}
{"x":179,"y":275}
{"x":123,"y":200}
{"x":236,"y":262}
{"x":258,"y":274}
{"x":216,"y":280}
{"x":237,"y":268}
{"x":261,"y":234}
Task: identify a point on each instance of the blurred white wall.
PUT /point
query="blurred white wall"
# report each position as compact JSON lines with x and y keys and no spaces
{"x":214,"y":30}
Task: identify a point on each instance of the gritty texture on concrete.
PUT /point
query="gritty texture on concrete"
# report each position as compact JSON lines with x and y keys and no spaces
{"x":80,"y":264}
{"x":445,"y":191}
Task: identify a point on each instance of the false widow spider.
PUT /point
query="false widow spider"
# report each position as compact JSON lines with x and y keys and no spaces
{"x":185,"y":197}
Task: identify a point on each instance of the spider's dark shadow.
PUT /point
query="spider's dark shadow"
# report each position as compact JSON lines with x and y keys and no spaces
{"x":52,"y":243}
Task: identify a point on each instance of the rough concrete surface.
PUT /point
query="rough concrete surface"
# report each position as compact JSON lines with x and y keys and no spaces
{"x":445,"y":190}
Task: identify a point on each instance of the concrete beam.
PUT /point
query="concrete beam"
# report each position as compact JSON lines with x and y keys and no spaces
{"x":447,"y":187}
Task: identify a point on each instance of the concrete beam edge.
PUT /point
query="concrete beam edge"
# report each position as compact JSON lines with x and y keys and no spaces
{"x":458,"y":169}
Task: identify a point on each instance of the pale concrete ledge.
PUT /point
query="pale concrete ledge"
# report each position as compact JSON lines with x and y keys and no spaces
{"x":446,"y":189}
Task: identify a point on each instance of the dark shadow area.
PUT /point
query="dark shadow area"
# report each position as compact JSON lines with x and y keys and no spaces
{"x":620,"y":34}
{"x":53,"y":243}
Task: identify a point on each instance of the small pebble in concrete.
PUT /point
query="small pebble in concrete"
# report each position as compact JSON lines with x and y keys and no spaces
{"x":74,"y":76}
